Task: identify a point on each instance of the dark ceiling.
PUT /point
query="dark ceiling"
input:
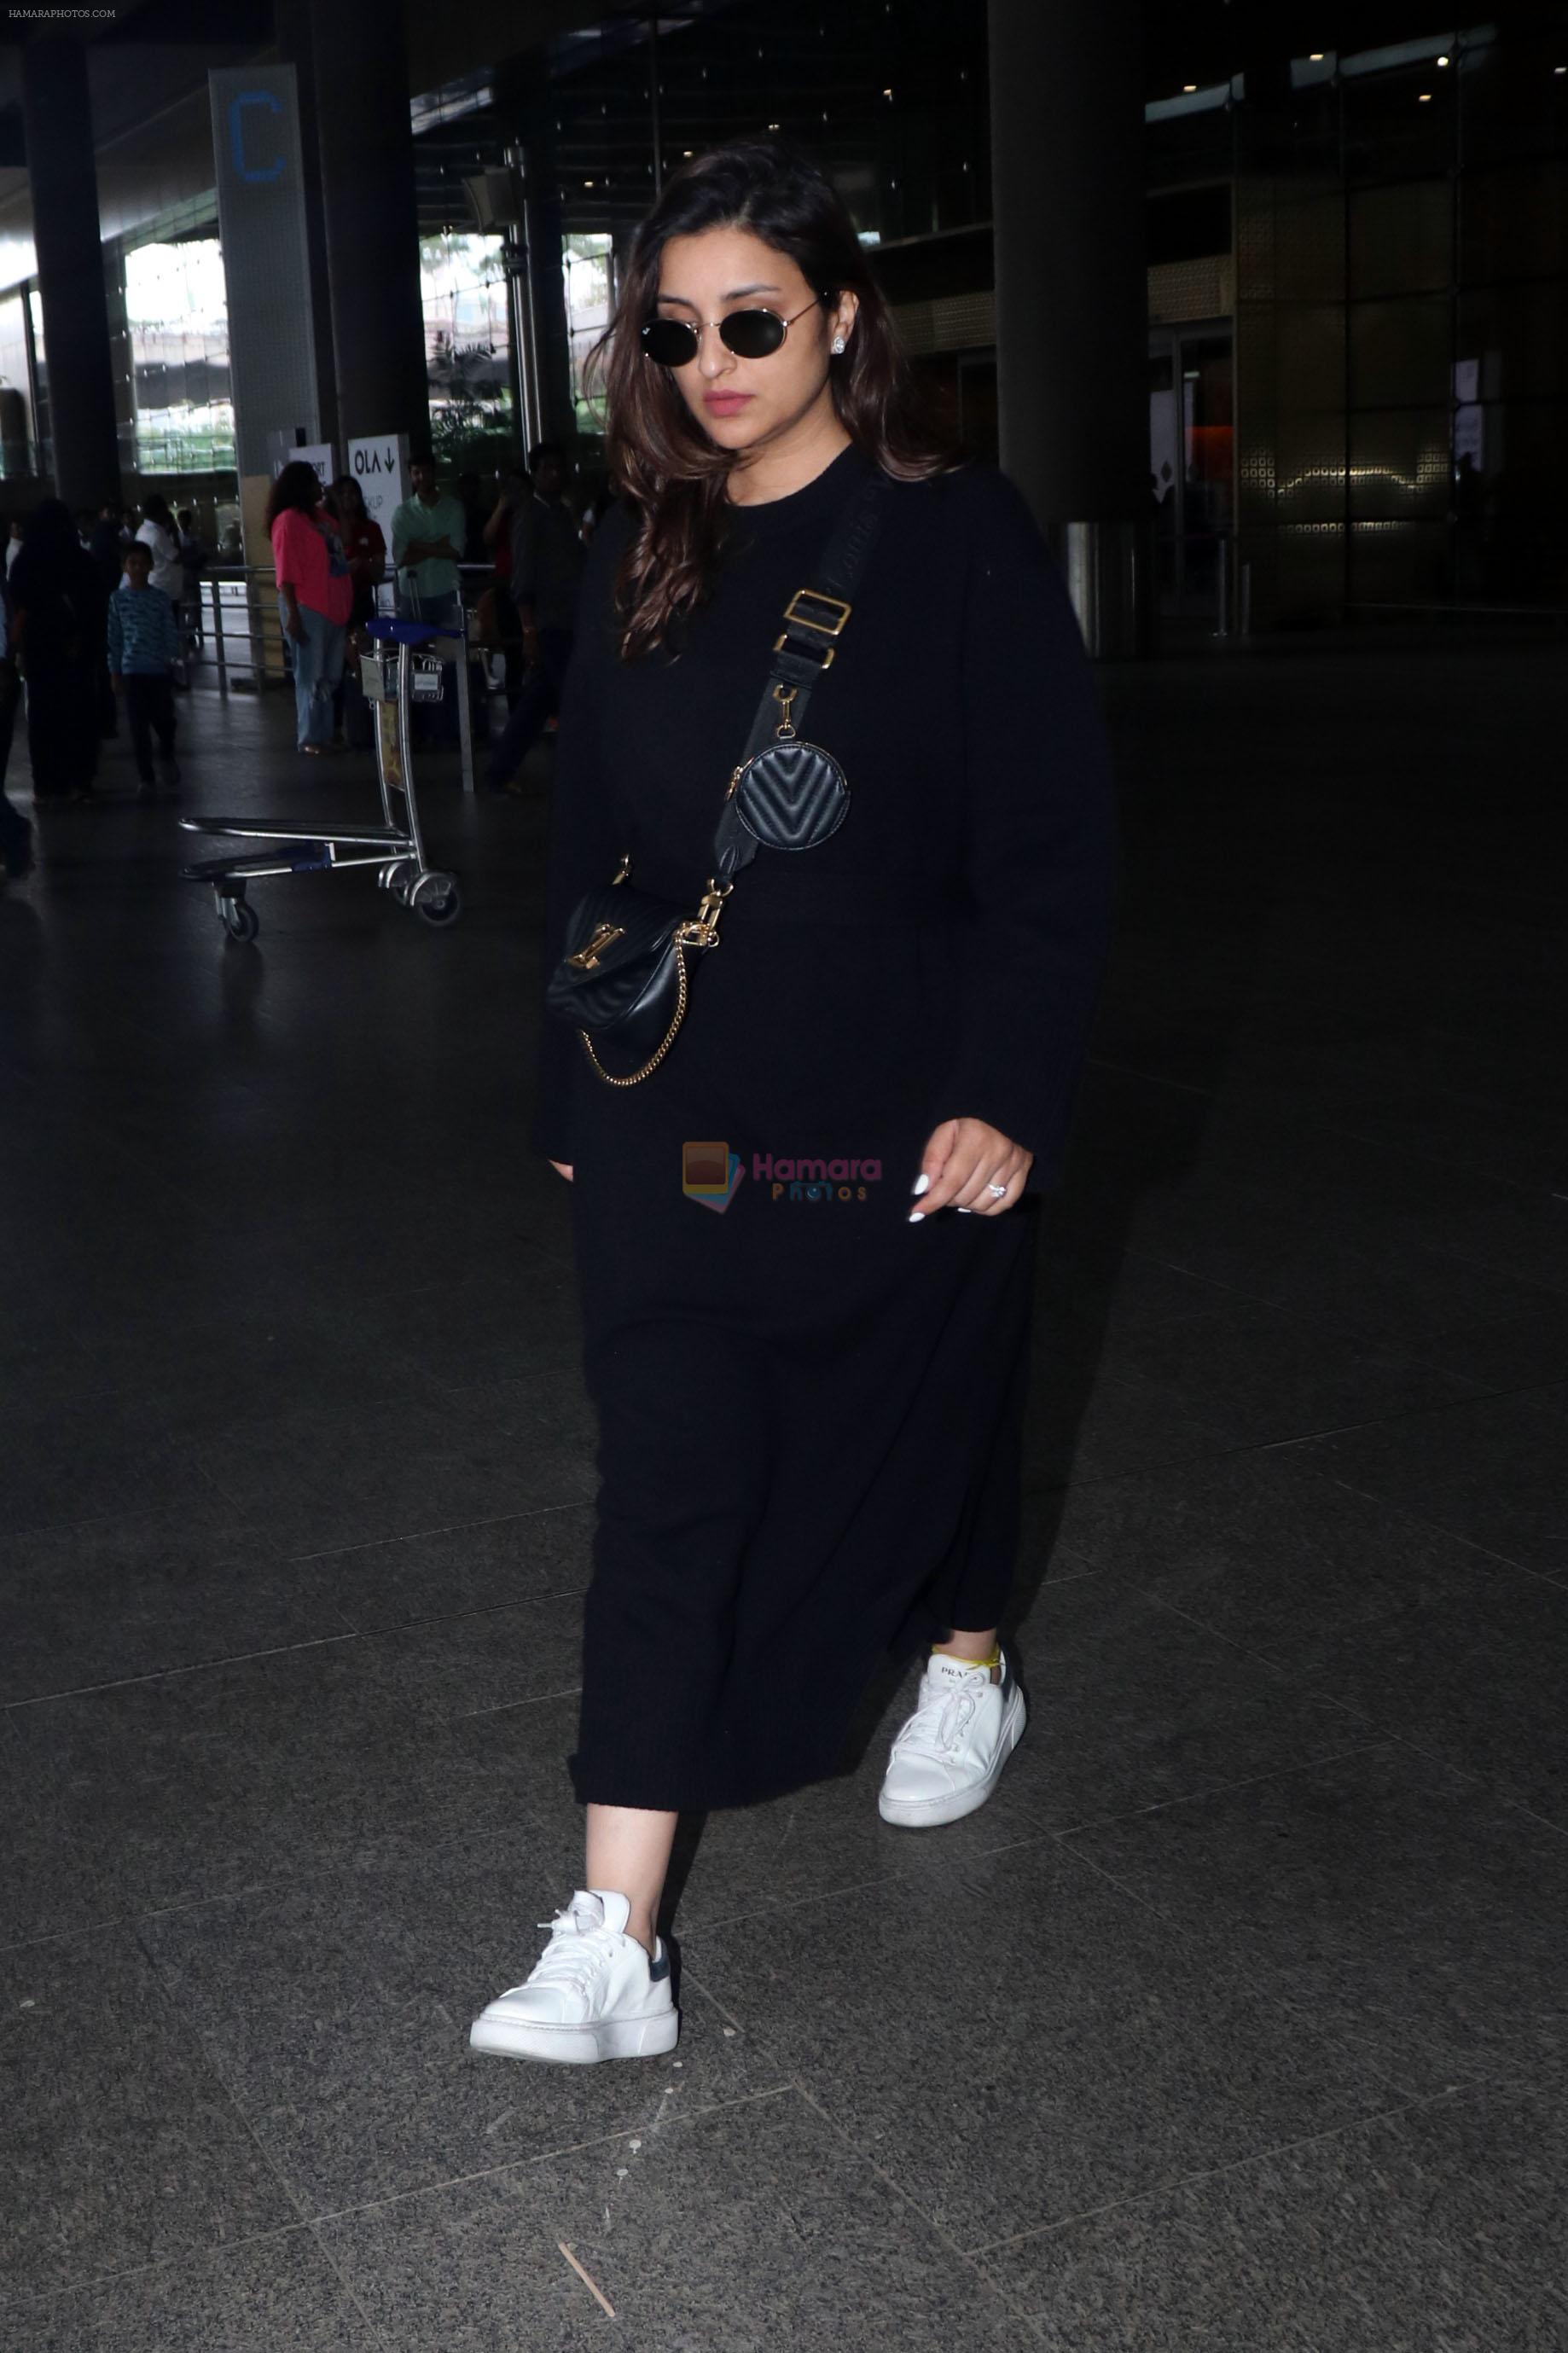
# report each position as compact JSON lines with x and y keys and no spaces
{"x":711,"y":85}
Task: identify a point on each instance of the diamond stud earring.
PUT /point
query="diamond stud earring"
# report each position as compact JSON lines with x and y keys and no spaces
{"x":838,"y":343}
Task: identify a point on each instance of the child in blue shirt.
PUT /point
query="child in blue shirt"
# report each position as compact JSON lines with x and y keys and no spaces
{"x":144,"y":646}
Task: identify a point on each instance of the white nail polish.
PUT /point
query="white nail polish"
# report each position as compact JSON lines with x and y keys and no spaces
{"x":921,"y":1184}
{"x":915,"y":1216}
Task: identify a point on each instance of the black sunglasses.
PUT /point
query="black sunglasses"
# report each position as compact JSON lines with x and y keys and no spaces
{"x":750,"y":335}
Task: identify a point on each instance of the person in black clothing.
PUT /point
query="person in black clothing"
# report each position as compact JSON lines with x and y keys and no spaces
{"x":108,"y":551}
{"x":194,"y":559}
{"x":470,"y":491}
{"x":364,"y":552}
{"x":107,"y":548}
{"x":16,"y":833}
{"x":58,"y":615}
{"x":513,"y":487}
{"x":810,"y":1407}
{"x":547,"y":564}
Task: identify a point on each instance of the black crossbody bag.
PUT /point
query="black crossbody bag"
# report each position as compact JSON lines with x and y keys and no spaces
{"x":624,"y":980}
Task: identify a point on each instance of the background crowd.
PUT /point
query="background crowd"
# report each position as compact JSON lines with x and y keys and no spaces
{"x":100,"y":613}
{"x":522,"y":552}
{"x":95,"y":611}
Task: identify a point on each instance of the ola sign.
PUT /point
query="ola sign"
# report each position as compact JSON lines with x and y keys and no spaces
{"x":379,"y":464}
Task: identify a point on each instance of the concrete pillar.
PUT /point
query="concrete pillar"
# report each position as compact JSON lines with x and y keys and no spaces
{"x":369,"y":218}
{"x":58,"y":115}
{"x":299,"y":28}
{"x":525,"y":102}
{"x":1072,"y":331}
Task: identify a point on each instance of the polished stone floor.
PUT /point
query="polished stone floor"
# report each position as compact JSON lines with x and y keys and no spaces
{"x":1237,"y":2020}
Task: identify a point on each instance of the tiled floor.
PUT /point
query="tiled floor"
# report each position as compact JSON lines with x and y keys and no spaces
{"x":1237,"y":2020}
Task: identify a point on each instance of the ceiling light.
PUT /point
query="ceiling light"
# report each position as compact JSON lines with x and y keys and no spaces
{"x":1314,"y":57}
{"x":1445,"y":61}
{"x":1188,"y":88}
{"x":1425,"y":98}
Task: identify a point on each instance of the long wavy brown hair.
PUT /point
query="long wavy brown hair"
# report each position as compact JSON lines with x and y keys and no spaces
{"x":672,"y":475}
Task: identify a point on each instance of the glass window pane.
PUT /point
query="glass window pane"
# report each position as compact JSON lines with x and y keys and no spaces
{"x":467,"y":342}
{"x":16,"y":456}
{"x":177,"y":318}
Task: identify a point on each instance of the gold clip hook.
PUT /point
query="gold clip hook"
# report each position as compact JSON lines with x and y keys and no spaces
{"x":784,"y":697}
{"x":701,"y":930}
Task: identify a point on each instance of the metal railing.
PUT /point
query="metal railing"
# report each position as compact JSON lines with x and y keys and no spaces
{"x":233,"y":621}
{"x":229,"y":626}
{"x":233,"y":636}
{"x":232,"y":627}
{"x":1233,"y":585}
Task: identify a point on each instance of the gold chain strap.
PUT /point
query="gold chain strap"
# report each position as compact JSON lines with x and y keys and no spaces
{"x":660,"y":1051}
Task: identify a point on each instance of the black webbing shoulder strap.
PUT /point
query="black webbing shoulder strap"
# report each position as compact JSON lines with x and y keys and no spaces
{"x":815,"y":621}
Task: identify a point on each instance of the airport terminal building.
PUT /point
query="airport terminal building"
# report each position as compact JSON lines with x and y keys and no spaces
{"x":1341,"y":254}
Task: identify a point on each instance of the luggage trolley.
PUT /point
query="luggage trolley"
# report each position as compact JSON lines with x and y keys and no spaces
{"x":405,"y":665}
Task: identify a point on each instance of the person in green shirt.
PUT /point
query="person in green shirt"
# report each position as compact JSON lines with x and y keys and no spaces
{"x":427,"y":534}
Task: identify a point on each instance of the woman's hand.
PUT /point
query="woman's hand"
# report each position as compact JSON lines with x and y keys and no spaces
{"x":562,"y":1170}
{"x":962,"y":1159}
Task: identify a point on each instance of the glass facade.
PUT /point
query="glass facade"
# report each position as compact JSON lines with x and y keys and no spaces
{"x":17,"y":452}
{"x":1402,"y":245}
{"x":1359,"y":329}
{"x":33,"y":329}
{"x":589,"y":264}
{"x":176,"y":330}
{"x":467,"y":337}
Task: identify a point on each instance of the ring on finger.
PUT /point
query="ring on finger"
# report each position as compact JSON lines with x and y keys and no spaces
{"x":996,"y":1191}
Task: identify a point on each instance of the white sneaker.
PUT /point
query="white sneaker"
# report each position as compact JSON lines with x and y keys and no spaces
{"x":947,"y":1756}
{"x":594,"y":1993}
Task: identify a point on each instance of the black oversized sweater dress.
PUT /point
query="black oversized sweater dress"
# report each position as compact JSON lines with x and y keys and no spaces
{"x":810,"y":1410}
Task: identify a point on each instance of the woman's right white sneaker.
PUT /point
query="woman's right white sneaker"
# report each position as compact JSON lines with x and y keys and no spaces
{"x":594,"y":1994}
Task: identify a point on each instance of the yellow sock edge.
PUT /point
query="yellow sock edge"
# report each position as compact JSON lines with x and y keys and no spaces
{"x":938,"y":1650}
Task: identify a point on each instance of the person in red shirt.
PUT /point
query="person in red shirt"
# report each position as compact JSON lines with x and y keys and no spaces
{"x":365,"y":546}
{"x":364,"y":552}
{"x":315,"y":597}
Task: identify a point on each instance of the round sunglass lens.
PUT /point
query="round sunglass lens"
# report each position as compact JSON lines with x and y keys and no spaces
{"x":753,"y":335}
{"x":669,"y":340}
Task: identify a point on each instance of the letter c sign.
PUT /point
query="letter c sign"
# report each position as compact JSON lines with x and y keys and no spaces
{"x":237,"y":107}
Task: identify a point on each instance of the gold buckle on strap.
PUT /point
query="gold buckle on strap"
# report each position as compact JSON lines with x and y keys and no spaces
{"x":830,"y":628}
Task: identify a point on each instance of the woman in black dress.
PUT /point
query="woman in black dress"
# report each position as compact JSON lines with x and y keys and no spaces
{"x":804,"y":1240}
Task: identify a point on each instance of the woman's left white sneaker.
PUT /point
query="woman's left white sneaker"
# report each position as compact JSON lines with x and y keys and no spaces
{"x":593,"y":1994}
{"x":947,"y":1756}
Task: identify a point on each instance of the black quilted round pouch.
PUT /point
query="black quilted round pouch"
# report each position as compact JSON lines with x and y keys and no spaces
{"x":791,"y":795}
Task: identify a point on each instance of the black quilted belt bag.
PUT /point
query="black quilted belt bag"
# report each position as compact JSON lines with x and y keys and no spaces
{"x":626,"y":978}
